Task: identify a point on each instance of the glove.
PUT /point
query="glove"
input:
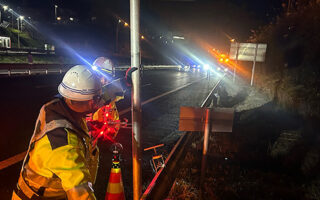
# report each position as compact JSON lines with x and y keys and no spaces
{"x":128,"y":76}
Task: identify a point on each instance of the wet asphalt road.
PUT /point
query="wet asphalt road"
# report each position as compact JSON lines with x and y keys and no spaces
{"x":22,"y":98}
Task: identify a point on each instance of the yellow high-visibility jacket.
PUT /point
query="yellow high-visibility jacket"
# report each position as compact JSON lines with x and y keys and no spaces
{"x":61,"y":163}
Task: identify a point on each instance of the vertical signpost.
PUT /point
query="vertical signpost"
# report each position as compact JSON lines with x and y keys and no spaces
{"x":254,"y":64}
{"x":135,"y":102}
{"x":234,"y":67}
{"x":248,"y":52}
{"x":207,"y":120}
{"x":205,"y":144}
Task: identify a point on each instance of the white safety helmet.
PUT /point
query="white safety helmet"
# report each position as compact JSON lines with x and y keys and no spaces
{"x":80,"y":84}
{"x":104,"y":64}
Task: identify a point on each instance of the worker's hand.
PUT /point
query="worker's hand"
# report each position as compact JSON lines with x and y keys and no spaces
{"x":128,"y":76}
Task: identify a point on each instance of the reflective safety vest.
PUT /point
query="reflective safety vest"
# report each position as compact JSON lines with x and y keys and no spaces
{"x":61,"y":163}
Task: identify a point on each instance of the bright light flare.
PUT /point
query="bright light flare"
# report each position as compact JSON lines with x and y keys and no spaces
{"x":5,"y":7}
{"x":206,"y":66}
{"x":94,"y":67}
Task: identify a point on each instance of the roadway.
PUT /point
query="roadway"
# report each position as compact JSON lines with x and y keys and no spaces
{"x":163,"y":92}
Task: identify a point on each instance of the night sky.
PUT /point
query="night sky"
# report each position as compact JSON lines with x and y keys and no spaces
{"x":215,"y":21}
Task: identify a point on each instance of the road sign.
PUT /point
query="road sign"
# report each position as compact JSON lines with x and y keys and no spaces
{"x":247,"y":52}
{"x":193,"y":119}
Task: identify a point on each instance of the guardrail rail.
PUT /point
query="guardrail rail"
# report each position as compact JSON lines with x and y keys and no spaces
{"x":163,"y":180}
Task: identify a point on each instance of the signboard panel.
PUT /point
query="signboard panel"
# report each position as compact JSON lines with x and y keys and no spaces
{"x":246,"y":52}
{"x":193,"y":119}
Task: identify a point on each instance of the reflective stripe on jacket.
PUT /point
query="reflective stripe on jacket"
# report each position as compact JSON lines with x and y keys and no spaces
{"x":61,"y":161}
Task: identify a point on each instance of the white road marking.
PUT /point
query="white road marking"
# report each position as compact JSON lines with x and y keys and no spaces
{"x":13,"y":160}
{"x":19,"y":157}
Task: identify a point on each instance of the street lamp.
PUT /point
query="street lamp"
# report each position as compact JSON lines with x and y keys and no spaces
{"x":19,"y":25}
{"x":4,"y":8}
{"x":18,"y":32}
{"x":10,"y":10}
{"x":21,"y":20}
{"x":232,"y":40}
{"x":126,"y":24}
{"x":55,"y":12}
{"x":117,"y":35}
{"x":58,"y":18}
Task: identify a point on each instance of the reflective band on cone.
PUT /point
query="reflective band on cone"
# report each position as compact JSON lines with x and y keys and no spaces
{"x":115,"y":189}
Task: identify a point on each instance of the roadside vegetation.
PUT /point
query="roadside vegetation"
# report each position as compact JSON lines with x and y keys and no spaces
{"x":273,"y":151}
{"x":292,"y":71}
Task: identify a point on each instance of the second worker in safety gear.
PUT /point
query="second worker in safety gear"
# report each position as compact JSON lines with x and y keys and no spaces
{"x":113,"y":91}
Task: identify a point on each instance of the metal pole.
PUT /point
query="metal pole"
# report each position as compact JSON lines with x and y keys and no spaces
{"x":234,"y":67}
{"x":206,"y":133}
{"x":254,"y":64}
{"x":117,"y":37}
{"x":205,"y":147}
{"x":135,"y":102}
{"x":0,"y":17}
{"x":11,"y":18}
{"x":55,"y":12}
{"x":18,"y":39}
{"x":18,"y":24}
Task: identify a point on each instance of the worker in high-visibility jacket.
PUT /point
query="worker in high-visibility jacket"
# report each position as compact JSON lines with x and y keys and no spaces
{"x":61,"y":162}
{"x":113,"y":92}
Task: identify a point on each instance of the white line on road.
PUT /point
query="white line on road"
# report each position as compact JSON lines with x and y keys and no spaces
{"x":159,"y":96}
{"x":12,"y":160}
{"x":19,"y":157}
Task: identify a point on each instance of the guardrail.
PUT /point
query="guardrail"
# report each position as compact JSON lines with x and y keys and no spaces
{"x":35,"y":69}
{"x":163,"y":180}
{"x":25,"y":51}
{"x":149,"y":67}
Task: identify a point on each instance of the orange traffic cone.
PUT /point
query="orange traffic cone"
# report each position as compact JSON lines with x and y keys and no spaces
{"x":115,"y":189}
